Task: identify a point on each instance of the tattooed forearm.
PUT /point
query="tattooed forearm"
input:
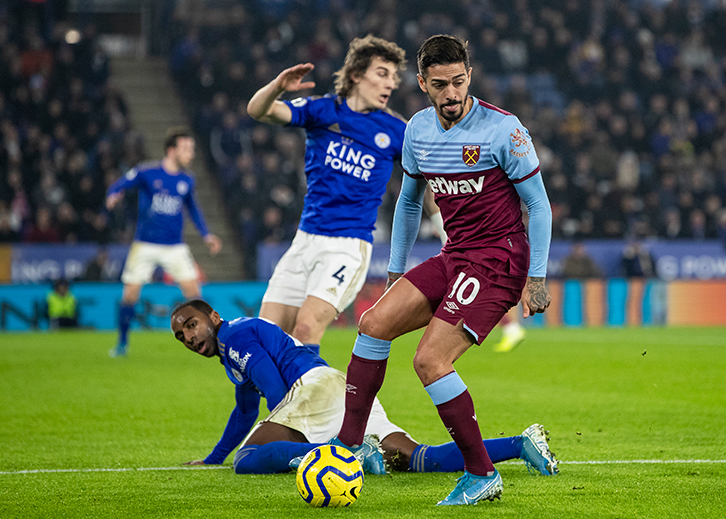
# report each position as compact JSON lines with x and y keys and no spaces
{"x":539,"y":299}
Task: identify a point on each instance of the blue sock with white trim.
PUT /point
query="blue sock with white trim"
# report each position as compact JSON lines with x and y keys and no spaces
{"x":270,"y":458}
{"x":447,"y":457}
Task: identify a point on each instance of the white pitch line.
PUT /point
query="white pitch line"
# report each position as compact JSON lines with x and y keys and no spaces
{"x":623,"y":462}
{"x":215,"y":467}
{"x":139,"y":469}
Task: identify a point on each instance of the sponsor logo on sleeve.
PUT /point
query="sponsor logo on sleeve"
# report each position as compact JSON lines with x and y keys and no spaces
{"x":234,"y":355}
{"x":521,"y":143}
{"x":300,"y":101}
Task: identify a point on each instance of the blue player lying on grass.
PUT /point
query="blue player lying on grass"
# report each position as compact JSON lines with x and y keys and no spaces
{"x":306,"y":398}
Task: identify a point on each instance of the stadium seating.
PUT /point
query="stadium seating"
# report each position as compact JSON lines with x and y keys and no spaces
{"x":624,"y":100}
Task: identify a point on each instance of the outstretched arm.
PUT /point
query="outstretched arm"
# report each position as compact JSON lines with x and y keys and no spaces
{"x":264,"y":105}
{"x":116,"y":190}
{"x":240,"y":422}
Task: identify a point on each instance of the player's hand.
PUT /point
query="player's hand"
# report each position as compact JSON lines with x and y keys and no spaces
{"x":290,"y":79}
{"x":535,"y":298}
{"x":392,"y":278}
{"x":113,"y":200}
{"x":213,"y":243}
{"x":195,"y":462}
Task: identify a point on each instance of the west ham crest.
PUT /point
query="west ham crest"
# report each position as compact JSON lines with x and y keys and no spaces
{"x":470,"y":154}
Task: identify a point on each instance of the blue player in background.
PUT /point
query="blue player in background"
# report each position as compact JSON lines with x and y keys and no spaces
{"x":352,"y":142}
{"x":306,"y":401}
{"x":164,"y":187}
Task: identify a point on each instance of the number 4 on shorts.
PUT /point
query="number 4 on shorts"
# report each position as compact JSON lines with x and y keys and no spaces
{"x":339,"y":275}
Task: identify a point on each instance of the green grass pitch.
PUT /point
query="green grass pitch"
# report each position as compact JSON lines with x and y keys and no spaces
{"x":84,"y":435}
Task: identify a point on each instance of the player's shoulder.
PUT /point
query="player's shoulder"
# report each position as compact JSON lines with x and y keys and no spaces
{"x":493,"y":114}
{"x":147,"y":167}
{"x":316,"y":101}
{"x":397,"y":117}
{"x":243,"y":322}
{"x":491,"y":109}
{"x":423,"y":119}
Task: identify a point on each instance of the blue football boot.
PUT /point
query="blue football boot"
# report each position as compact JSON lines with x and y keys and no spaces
{"x":471,"y":489}
{"x":536,"y":451}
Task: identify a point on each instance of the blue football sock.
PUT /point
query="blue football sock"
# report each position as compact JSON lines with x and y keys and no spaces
{"x":270,"y":458}
{"x":125,"y":315}
{"x":448,"y":458}
{"x":314,"y":347}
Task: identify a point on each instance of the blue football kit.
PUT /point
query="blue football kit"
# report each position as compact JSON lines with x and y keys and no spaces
{"x":349,"y":158}
{"x":261,"y":360}
{"x":161,"y":198}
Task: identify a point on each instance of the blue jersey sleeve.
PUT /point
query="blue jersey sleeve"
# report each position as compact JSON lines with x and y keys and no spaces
{"x":194,"y":212}
{"x":303,"y":111}
{"x":513,"y":149}
{"x":532,"y":191}
{"x":408,"y":158}
{"x":130,"y":180}
{"x":265,"y":375}
{"x":515,"y":153}
{"x":406,"y":221}
{"x":239,"y":424}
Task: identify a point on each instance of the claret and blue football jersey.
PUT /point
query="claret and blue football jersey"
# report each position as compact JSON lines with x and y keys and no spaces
{"x":349,"y":157}
{"x":479,"y":171}
{"x":484,"y":154}
{"x":161,"y":198}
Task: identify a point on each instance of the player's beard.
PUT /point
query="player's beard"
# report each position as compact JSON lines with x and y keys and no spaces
{"x":450,"y":116}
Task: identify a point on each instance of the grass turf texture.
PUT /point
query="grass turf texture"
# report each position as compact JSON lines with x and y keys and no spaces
{"x":606,"y":394}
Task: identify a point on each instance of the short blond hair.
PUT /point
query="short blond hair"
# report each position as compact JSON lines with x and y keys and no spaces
{"x":361,"y":52}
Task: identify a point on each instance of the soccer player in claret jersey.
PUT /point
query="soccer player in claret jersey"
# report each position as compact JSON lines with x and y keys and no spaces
{"x":164,"y":187}
{"x":306,"y":401}
{"x":352,"y":142}
{"x":479,"y":162}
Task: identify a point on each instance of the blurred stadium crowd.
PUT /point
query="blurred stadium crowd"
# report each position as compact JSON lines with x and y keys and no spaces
{"x":64,"y":132}
{"x":625,"y":101}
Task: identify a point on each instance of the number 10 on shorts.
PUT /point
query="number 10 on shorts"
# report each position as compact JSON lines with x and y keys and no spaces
{"x":461,"y":286}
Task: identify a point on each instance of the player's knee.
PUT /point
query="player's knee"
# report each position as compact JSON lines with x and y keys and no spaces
{"x":304,"y":332}
{"x":372,"y":326}
{"x":426,"y":366}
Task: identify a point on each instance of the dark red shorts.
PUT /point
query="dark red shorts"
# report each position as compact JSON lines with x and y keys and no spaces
{"x":480,"y":292}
